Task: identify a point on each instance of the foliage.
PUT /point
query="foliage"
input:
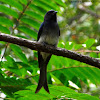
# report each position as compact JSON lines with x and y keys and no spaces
{"x":19,"y":66}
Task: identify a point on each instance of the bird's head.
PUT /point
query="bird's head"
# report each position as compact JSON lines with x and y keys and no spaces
{"x":51,"y":16}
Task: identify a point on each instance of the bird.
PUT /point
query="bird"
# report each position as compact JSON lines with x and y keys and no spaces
{"x":48,"y":34}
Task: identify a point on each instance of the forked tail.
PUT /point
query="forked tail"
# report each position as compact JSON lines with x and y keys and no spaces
{"x":42,"y":80}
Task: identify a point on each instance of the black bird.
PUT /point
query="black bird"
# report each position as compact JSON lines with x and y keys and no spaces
{"x":48,"y":35}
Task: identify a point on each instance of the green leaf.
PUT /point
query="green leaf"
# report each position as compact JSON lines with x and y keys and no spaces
{"x":8,"y":11}
{"x":6,"y":21}
{"x":77,"y":46}
{"x":18,"y":52}
{"x":31,"y":22}
{"x":52,"y":4}
{"x":54,"y":61}
{"x":37,"y":9}
{"x":28,"y":31}
{"x":21,"y":36}
{"x":99,"y":55}
{"x":94,"y":55}
{"x":10,"y":85}
{"x":42,"y":5}
{"x":13,"y":3}
{"x":10,"y":65}
{"x":60,"y":3}
{"x":61,"y":44}
{"x":89,"y":43}
{"x":34,"y":15}
{"x":85,"y":73}
{"x":4,"y":29}
{"x":57,"y":92}
{"x":2,"y":42}
{"x":23,"y":2}
{"x":65,"y":92}
{"x":61,"y":77}
{"x":82,"y":73}
{"x":28,"y":67}
{"x":69,"y":45}
{"x":11,"y":62}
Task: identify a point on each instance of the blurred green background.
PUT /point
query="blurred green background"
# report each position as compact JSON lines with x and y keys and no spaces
{"x":79,"y":22}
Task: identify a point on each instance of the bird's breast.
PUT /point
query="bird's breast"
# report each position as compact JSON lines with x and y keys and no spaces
{"x":50,"y":39}
{"x":50,"y":35}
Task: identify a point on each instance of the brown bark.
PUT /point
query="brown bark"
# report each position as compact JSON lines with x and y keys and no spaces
{"x":49,"y":49}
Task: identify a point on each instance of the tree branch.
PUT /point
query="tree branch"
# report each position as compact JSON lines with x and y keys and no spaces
{"x":81,"y":7}
{"x":49,"y":49}
{"x":70,"y":20}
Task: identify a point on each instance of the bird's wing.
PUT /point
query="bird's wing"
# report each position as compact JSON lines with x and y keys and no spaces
{"x":40,"y":59}
{"x":59,"y":32}
{"x":40,"y":31}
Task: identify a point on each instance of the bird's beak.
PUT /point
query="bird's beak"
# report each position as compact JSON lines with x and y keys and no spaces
{"x":55,"y":12}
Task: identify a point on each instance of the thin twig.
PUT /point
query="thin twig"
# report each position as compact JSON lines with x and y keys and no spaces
{"x":21,"y":14}
{"x":16,"y":25}
{"x":88,"y":51}
{"x":81,"y":7}
{"x":56,"y":70}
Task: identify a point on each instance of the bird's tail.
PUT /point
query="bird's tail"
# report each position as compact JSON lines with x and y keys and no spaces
{"x":42,"y":79}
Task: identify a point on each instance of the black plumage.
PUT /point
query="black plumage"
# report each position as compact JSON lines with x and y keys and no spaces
{"x":48,"y":35}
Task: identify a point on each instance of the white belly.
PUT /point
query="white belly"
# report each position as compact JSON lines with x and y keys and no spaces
{"x":52,"y":40}
{"x":44,"y":55}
